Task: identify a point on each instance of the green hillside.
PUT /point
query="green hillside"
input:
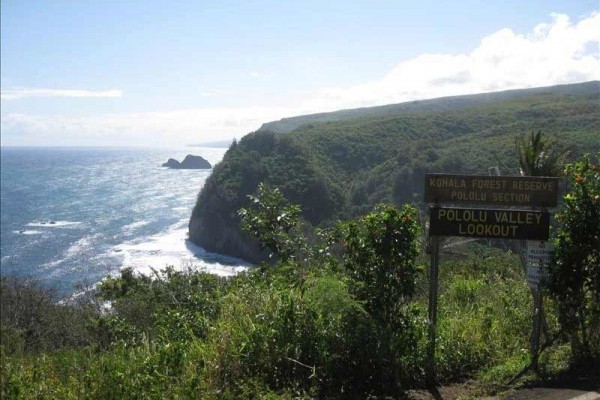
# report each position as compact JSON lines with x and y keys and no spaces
{"x":339,"y":165}
{"x":440,"y":104}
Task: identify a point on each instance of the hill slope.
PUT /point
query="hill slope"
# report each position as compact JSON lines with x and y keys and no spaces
{"x":286,"y":125}
{"x":339,"y":165}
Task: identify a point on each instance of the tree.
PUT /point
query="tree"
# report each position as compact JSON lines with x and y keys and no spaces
{"x":575,"y":274}
{"x":32,"y":320}
{"x":539,"y":156}
{"x":380,"y":258}
{"x":273,"y":222}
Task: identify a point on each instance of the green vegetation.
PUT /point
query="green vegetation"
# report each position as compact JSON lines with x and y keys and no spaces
{"x":340,"y":310}
{"x":344,"y":318}
{"x":273,"y":222}
{"x":576,"y":271}
{"x":540,"y":157}
{"x":31,"y":320}
{"x":340,"y":165}
{"x":286,"y":125}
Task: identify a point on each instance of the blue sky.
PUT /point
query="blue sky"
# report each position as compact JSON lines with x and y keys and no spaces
{"x":178,"y":72}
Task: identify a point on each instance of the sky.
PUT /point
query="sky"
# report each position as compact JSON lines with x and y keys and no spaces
{"x":173,"y":73}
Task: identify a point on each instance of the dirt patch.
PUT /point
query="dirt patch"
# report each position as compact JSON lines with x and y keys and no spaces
{"x":467,"y":390}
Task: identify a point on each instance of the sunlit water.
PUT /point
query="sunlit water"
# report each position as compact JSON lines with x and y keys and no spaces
{"x":74,"y":215}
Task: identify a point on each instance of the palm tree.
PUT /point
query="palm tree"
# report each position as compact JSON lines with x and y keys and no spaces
{"x":539,"y":156}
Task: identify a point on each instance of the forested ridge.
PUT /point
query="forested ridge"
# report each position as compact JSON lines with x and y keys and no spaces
{"x":339,"y":165}
{"x":438,"y":104}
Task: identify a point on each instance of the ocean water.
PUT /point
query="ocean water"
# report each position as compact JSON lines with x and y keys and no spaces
{"x":74,"y":215}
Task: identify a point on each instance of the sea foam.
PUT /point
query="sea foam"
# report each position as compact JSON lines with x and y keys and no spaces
{"x":173,"y":248}
{"x":53,"y":224}
{"x":28,"y":232}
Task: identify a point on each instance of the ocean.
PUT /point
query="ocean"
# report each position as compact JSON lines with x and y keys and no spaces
{"x":72,"y":216}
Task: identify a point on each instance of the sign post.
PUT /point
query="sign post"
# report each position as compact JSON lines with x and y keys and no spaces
{"x":432,"y":306}
{"x":536,"y":327}
{"x":495,"y":223}
{"x":538,"y":258}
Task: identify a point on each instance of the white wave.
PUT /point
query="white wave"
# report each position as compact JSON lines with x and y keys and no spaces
{"x":28,"y":232}
{"x":135,"y":225}
{"x":52,"y":224}
{"x":52,"y":264}
{"x":75,"y":296}
{"x":172,"y":248}
{"x":83,"y":245}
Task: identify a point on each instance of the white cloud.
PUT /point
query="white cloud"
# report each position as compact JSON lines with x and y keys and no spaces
{"x":553,"y":53}
{"x":21,"y":93}
{"x":556,"y":52}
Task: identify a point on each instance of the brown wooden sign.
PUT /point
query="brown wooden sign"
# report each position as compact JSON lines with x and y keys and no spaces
{"x":526,"y":191}
{"x":486,"y":223}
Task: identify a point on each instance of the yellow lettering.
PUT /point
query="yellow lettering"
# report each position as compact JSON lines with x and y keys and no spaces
{"x":441,"y":214}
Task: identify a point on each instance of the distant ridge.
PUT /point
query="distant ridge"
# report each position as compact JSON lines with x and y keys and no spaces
{"x":289,"y":124}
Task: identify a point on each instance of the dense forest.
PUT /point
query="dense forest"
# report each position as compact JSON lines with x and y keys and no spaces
{"x":339,"y":165}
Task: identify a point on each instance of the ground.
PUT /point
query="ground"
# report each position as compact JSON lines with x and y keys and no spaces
{"x":574,"y":388}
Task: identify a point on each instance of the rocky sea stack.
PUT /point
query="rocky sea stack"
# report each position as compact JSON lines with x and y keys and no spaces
{"x":189,"y":162}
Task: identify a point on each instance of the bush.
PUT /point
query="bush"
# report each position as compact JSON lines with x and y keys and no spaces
{"x":575,"y":273}
{"x":33,"y":320}
{"x":354,"y":326}
{"x":172,"y":305}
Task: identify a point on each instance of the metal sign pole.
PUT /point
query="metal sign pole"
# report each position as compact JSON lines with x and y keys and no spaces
{"x":433,"y":297}
{"x":537,"y":257}
{"x":536,"y":328}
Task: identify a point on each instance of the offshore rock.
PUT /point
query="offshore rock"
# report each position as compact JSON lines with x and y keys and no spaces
{"x":190,"y":162}
{"x":172,"y":163}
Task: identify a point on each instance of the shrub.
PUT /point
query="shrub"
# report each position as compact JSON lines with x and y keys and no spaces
{"x":33,"y":320}
{"x":353,"y":327}
{"x":273,"y":222}
{"x":172,"y":305}
{"x":575,"y":274}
